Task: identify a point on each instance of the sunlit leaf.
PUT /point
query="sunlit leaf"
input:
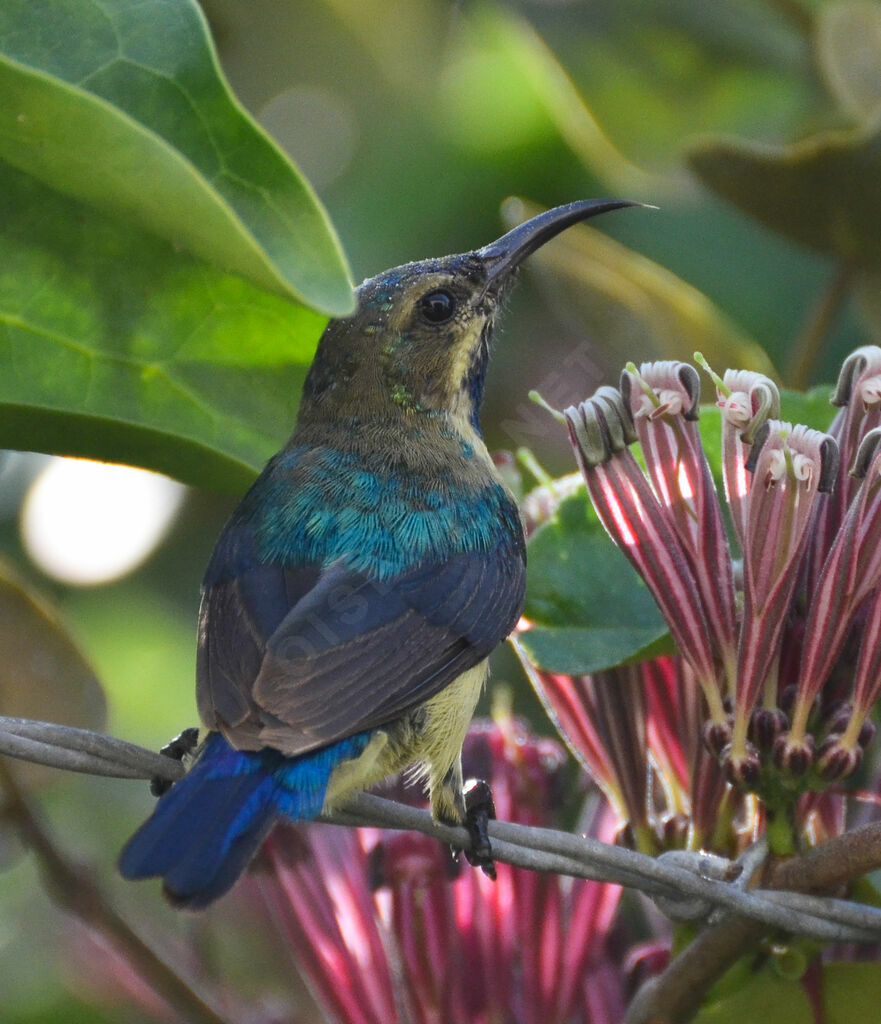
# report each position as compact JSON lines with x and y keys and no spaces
{"x":116,"y":347}
{"x":588,"y":607}
{"x":822,"y":192}
{"x":518,"y":62}
{"x":631,"y":307}
{"x":653,"y":72}
{"x":43,"y":675}
{"x":121,"y":104}
{"x":848,"y":42}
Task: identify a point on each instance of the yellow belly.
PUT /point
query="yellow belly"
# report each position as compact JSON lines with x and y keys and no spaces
{"x":433,"y":749}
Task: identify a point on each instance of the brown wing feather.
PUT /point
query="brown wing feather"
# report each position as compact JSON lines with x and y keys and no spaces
{"x":352,"y":653}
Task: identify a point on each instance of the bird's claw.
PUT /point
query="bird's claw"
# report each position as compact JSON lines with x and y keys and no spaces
{"x":180,"y":747}
{"x":479,"y":810}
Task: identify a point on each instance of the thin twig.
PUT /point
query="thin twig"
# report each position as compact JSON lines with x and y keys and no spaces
{"x":75,"y":891}
{"x":678,"y":992}
{"x":549,"y":850}
{"x":676,"y":995}
{"x":81,"y":750}
{"x":688,"y":887}
{"x":806,"y":348}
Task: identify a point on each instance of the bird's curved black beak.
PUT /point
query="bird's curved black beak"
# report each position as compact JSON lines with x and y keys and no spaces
{"x":506,"y":253}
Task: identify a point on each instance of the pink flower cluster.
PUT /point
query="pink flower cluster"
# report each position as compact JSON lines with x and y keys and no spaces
{"x":773,"y":602}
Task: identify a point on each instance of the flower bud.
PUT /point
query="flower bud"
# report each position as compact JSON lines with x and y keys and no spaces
{"x":744,"y":769}
{"x":786,"y":700}
{"x":834,"y":761}
{"x":794,"y":756}
{"x":765,"y":725}
{"x":717,"y":736}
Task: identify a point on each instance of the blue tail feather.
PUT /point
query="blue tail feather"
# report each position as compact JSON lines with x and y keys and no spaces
{"x":206,"y":829}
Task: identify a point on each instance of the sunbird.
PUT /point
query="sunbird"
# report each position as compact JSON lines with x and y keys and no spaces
{"x":354,"y":596}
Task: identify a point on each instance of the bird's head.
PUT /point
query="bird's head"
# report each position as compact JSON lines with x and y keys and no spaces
{"x":418,"y":341}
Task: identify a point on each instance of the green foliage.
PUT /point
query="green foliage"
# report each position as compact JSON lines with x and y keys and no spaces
{"x":819,"y":192}
{"x":115,"y":342}
{"x":115,"y":346}
{"x":851,"y":991}
{"x":588,"y":607}
{"x":123,"y":105}
{"x":760,"y":995}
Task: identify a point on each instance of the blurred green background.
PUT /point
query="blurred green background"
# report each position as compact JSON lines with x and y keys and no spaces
{"x":414,"y":120}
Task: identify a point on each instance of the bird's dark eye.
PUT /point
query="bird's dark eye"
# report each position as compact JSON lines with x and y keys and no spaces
{"x":437,"y":306}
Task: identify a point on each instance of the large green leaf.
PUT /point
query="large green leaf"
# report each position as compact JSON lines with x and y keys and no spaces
{"x":117,"y":347}
{"x":822,"y":192}
{"x":588,"y":607}
{"x":121,"y":103}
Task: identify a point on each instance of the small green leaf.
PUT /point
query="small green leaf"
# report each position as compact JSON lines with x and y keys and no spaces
{"x":121,"y":104}
{"x":578,"y":651}
{"x":43,"y":675}
{"x":116,"y":347}
{"x":821,"y":192}
{"x":633,"y":307}
{"x":589,"y":608}
{"x":811,"y":408}
{"x":848,"y":45}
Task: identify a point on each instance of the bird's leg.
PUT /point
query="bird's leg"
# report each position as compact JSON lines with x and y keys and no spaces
{"x":479,"y":810}
{"x":180,"y":747}
{"x":471,"y":806}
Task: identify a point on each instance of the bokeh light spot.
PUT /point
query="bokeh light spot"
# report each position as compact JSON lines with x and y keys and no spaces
{"x":86,"y":523}
{"x":317,"y":129}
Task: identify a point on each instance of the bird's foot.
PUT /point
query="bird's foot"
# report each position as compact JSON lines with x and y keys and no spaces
{"x":479,"y":811}
{"x":177,"y":749}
